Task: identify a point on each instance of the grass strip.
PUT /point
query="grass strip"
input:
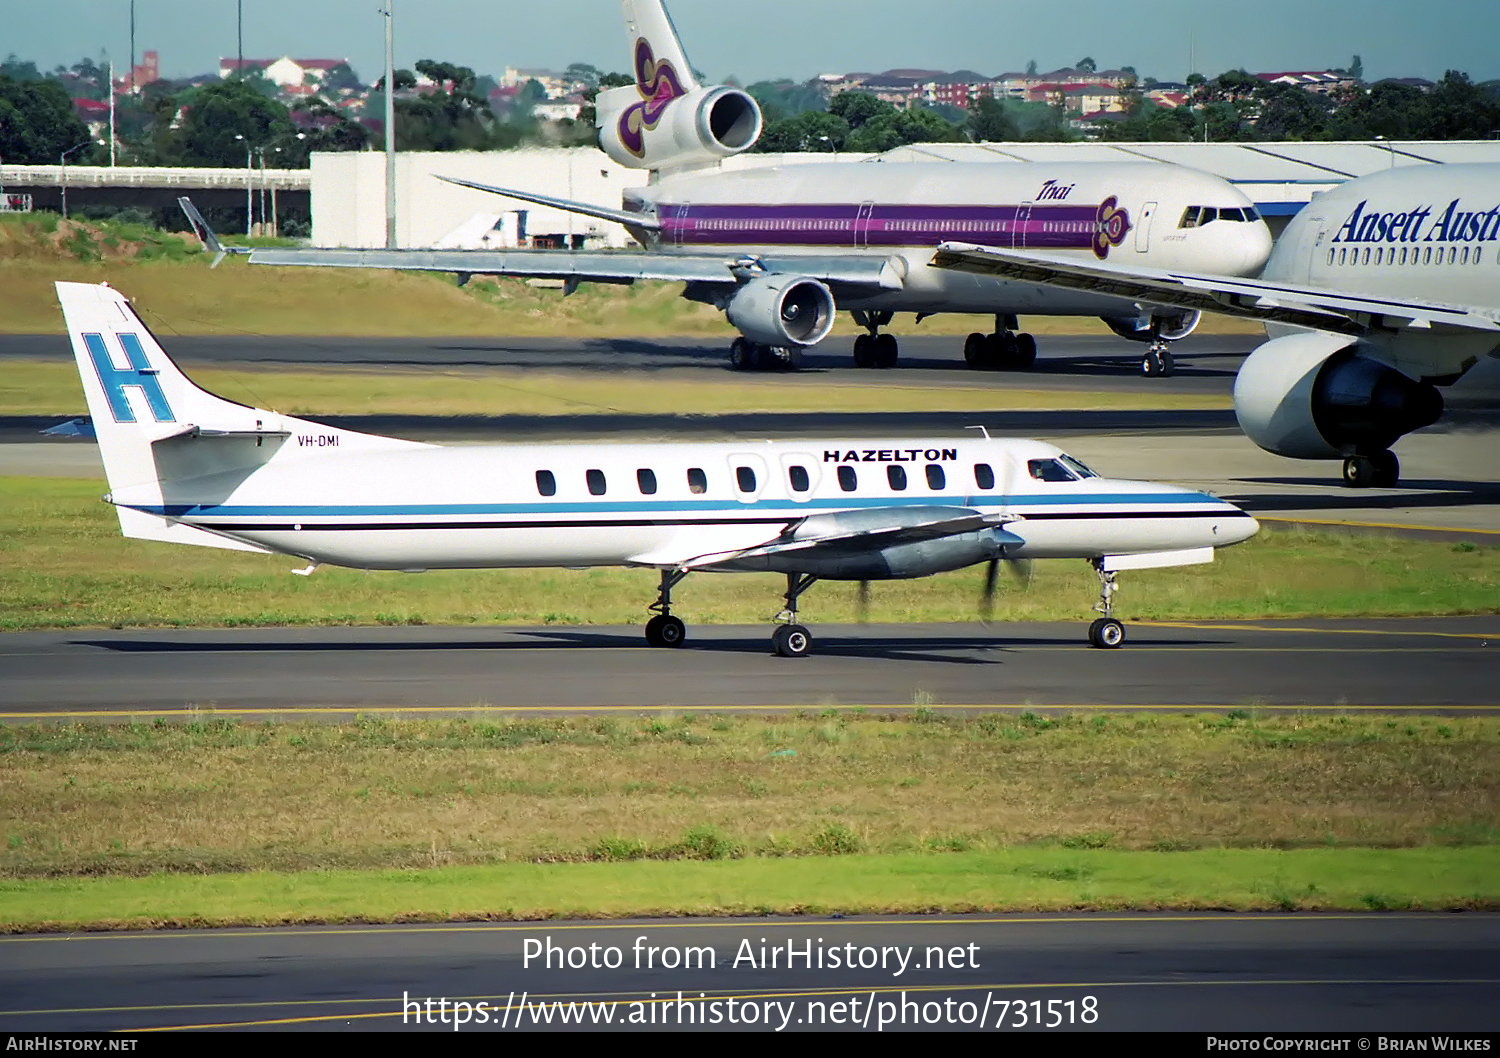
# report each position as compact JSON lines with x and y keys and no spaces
{"x":1023,"y":879}
{"x":211,"y":795}
{"x":30,"y":387}
{"x":63,"y":564}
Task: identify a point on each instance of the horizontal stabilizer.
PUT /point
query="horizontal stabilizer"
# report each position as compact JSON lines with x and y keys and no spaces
{"x":140,"y":525}
{"x":567,"y":205}
{"x":72,"y":428}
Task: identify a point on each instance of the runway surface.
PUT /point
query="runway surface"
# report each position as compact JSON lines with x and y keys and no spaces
{"x":1176,"y":972}
{"x":335,"y":672}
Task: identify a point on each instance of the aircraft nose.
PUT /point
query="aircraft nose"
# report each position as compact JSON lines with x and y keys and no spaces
{"x":1257,"y":249}
{"x":1235,"y":530}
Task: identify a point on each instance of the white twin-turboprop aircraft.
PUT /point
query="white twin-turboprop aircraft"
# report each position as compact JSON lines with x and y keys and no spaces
{"x":185,"y":466}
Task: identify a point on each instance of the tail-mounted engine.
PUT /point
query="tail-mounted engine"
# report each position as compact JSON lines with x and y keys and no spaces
{"x":782,"y":310}
{"x":1149,"y":328}
{"x":1317,"y":396}
{"x":655,"y":124}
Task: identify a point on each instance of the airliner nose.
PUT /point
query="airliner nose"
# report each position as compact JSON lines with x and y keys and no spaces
{"x":1256,"y":250}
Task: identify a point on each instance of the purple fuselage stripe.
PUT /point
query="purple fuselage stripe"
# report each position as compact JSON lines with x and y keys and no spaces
{"x":849,"y":224}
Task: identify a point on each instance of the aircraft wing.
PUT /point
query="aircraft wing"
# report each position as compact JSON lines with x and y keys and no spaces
{"x":625,"y":266}
{"x":1256,"y":299}
{"x":862,"y":532}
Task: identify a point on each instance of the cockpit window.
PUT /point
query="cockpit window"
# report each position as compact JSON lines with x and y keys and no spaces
{"x":1049,"y":470}
{"x":1197,"y":216}
{"x":1077,"y":467}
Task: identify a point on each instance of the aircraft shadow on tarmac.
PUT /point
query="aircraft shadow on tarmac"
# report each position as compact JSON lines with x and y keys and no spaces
{"x":873,"y":647}
{"x":1427,"y":492}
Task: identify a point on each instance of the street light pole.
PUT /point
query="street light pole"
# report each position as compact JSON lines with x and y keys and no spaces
{"x":390,"y":125}
{"x":249,"y":200}
{"x":63,"y":161}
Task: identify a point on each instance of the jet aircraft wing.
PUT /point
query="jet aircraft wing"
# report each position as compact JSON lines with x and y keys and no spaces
{"x":624,"y":266}
{"x":1256,"y":299}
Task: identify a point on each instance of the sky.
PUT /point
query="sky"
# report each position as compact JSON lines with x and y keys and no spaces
{"x":756,"y":40}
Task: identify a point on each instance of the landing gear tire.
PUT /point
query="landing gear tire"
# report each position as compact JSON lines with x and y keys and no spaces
{"x":1157,"y":362}
{"x":886,"y":350}
{"x":664,"y":630}
{"x":1106,"y":633}
{"x":976,"y":355}
{"x":1025,"y":352}
{"x":862,"y":351}
{"x":791,"y":641}
{"x":741,"y":355}
{"x":1381,"y":471}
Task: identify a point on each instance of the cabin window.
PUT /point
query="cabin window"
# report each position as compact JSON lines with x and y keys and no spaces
{"x":1365,"y":257}
{"x":896,"y":475}
{"x":799,"y":479}
{"x":697,"y":481}
{"x":1379,"y":254}
{"x":1463,"y":258}
{"x":1048,"y":470}
{"x":595,"y":479}
{"x":984,"y":475}
{"x":936,"y":479}
{"x":1403,"y":255}
{"x":646,"y":479}
{"x":744,"y":477}
{"x":546,"y":484}
{"x":1452,"y":254}
{"x":1330,"y":256}
{"x":848,"y":479}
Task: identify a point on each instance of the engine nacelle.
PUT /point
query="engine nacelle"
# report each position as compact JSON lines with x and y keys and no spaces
{"x":897,"y":562}
{"x":671,"y":129}
{"x":1316,"y":396}
{"x":782,"y":310}
{"x":1138,"y":328}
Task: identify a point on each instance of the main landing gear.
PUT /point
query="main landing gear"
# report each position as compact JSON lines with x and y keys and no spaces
{"x":664,"y":630}
{"x":745,"y":355}
{"x":1003,"y":350}
{"x":790,"y":639}
{"x":875,"y":349}
{"x":1380,"y":470}
{"x":1158,"y":359}
{"x":1106,"y":632}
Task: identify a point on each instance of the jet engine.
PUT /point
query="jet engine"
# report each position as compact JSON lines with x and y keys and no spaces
{"x":782,"y":310}
{"x":1318,"y":396}
{"x":1138,"y":328}
{"x":700,"y":127}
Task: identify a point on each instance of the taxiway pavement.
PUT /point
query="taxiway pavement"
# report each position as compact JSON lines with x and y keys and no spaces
{"x":1263,"y":973}
{"x":334,"y":673}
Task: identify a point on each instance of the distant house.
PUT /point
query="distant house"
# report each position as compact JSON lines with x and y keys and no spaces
{"x":140,"y":75}
{"x":93,"y":113}
{"x":958,"y":89}
{"x":1422,"y":84}
{"x":898,"y":91}
{"x":1322,"y":81}
{"x":1078,"y":97}
{"x":286,"y":72}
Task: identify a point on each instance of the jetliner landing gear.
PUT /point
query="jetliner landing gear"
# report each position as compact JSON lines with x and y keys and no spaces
{"x":745,"y":355}
{"x":1381,"y":470}
{"x":792,"y":640}
{"x":1106,"y":632}
{"x":664,"y":630}
{"x":1158,"y":359}
{"x":1004,"y":350}
{"x":875,"y":349}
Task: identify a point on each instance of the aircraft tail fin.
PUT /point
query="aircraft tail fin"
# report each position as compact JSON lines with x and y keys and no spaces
{"x":206,"y":234}
{"x":163,"y":439}
{"x":648,"y":22}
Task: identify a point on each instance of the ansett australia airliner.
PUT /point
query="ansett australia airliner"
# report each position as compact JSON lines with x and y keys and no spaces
{"x":781,"y":249}
{"x":185,"y":466}
{"x":1379,"y":292}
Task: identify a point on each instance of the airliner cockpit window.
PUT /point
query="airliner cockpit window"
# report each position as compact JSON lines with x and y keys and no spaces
{"x":1049,"y":470}
{"x":1077,"y":467}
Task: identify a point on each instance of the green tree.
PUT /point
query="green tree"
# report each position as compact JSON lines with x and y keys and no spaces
{"x":811,"y":130}
{"x":215,"y":114}
{"x":1030,"y":67}
{"x":37,"y":122}
{"x":860,"y":108}
{"x":1086,"y":64}
{"x":991,"y":121}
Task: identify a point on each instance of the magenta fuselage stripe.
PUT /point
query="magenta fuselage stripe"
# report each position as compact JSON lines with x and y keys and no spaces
{"x":1063,"y":227}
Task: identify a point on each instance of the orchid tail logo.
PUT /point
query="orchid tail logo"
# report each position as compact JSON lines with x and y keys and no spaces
{"x":658,"y":84}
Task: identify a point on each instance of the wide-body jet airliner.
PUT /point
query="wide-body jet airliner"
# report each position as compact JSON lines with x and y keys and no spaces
{"x":1378,"y":292}
{"x":781,"y":249}
{"x":186,"y":466}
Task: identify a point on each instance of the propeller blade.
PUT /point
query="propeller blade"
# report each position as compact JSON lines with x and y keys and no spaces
{"x":987,"y":596}
{"x":1020,"y":570}
{"x":862,"y":602}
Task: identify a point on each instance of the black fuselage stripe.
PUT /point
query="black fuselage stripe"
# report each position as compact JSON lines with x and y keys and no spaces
{"x":630,"y":523}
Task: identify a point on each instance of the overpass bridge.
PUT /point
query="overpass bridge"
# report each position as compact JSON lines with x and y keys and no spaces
{"x":158,"y":187}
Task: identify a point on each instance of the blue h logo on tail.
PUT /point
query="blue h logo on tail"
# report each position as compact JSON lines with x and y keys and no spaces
{"x":140,"y":374}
